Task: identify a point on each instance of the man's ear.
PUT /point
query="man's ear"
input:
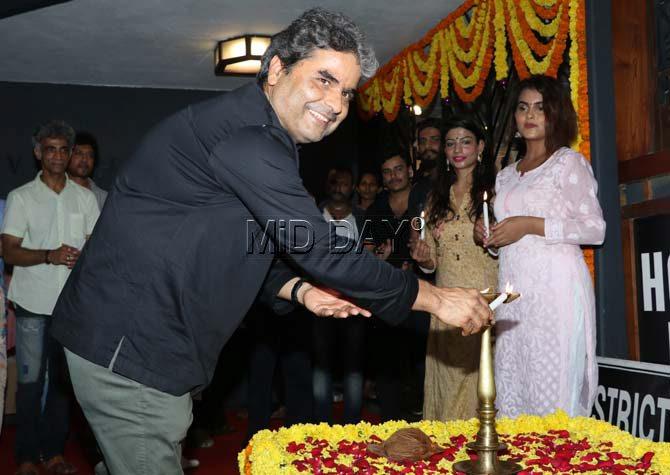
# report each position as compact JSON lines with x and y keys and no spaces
{"x":275,"y":70}
{"x":37,"y":151}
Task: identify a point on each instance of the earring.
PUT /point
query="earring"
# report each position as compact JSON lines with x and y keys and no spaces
{"x":479,"y":157}
{"x":517,"y":134}
{"x":448,"y":165}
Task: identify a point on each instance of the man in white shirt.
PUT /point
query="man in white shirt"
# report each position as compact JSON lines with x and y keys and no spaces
{"x":82,"y":163}
{"x":46,"y":223}
{"x":339,"y":343}
{"x":338,"y":207}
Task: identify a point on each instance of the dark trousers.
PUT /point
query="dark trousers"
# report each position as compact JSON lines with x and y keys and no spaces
{"x":400,"y":354}
{"x":390,"y":366}
{"x":338,"y":348}
{"x":285,"y":339}
{"x":209,"y":412}
{"x":42,"y":410}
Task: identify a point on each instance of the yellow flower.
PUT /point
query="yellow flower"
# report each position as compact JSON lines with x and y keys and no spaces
{"x":547,"y":30}
{"x":573,"y":55}
{"x":479,"y":18}
{"x":502,"y":70}
{"x":534,"y":66}
{"x":269,"y":455}
{"x":546,"y":3}
{"x":444,"y":65}
{"x":472,"y":79}
{"x":466,"y":29}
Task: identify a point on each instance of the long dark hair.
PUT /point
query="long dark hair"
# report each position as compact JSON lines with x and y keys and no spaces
{"x":483,"y":178}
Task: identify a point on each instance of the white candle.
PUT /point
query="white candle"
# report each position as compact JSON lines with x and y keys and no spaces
{"x":486,"y":214}
{"x":423,"y":226}
{"x":499,"y":300}
{"x":502,"y":297}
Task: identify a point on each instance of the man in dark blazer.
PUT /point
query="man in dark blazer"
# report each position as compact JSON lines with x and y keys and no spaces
{"x":198,"y":223}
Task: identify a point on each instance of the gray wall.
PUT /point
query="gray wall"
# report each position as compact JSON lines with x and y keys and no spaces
{"x":117,"y":116}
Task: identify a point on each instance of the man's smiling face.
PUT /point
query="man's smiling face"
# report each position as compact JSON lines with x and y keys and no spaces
{"x":313,"y":97}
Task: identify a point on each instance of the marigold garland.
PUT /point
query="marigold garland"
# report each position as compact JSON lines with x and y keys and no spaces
{"x":552,"y":444}
{"x":459,"y":52}
{"x":464,"y":28}
{"x":543,"y":12}
{"x":547,"y":30}
{"x":536,"y":46}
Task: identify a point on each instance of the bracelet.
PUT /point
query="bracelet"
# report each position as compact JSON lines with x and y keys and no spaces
{"x":294,"y":291}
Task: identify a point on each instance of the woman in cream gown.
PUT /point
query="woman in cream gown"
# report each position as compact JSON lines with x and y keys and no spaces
{"x":452,"y":360}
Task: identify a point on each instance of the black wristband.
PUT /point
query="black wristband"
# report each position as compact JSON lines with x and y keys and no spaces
{"x":294,"y":291}
{"x":46,"y":257}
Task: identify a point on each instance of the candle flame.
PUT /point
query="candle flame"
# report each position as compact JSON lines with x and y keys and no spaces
{"x":508,"y":288}
{"x":486,"y":196}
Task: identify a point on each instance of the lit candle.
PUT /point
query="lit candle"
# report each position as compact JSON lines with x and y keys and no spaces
{"x":499,"y":300}
{"x":502,"y":297}
{"x":423,"y":225}
{"x":486,"y":214}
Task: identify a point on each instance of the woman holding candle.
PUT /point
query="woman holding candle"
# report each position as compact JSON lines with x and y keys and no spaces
{"x":546,"y":207}
{"x":454,"y":204}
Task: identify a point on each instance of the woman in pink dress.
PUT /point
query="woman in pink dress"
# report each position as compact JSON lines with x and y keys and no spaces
{"x":546,"y":207}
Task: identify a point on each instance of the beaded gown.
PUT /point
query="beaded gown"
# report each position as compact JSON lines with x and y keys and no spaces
{"x":452,"y":360}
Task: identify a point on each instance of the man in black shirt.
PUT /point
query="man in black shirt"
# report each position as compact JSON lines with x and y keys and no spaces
{"x":173,"y":264}
{"x":429,"y":151}
{"x":399,"y":350}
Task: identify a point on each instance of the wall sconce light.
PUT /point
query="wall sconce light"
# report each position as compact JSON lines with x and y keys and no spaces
{"x":240,"y":56}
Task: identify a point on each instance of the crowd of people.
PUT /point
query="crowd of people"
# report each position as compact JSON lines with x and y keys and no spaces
{"x":132,"y":292}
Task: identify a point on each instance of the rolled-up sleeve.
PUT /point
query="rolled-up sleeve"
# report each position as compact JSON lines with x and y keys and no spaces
{"x":15,"y":222}
{"x":258,"y":165}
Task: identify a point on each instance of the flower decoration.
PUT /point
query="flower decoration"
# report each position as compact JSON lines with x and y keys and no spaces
{"x":552,"y":444}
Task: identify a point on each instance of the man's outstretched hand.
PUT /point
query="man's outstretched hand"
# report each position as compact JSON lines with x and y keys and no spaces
{"x":464,"y":308}
{"x":326,"y":303}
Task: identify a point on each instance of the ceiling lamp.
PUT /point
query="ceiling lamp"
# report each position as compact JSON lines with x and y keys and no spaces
{"x":240,"y":56}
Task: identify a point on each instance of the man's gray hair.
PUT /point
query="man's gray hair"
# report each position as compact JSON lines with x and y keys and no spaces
{"x":54,"y":129}
{"x":323,"y":29}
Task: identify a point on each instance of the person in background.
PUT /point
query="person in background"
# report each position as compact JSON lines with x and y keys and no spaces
{"x":430,"y":151}
{"x":2,"y":262}
{"x":397,"y":348}
{"x":546,"y":207}
{"x":339,"y":343}
{"x":455,"y":203}
{"x":46,"y":222}
{"x":429,"y":148}
{"x":82,"y":163}
{"x":367,"y":188}
{"x":3,"y":349}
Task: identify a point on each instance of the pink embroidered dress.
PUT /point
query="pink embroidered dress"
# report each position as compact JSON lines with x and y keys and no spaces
{"x":545,"y":341}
